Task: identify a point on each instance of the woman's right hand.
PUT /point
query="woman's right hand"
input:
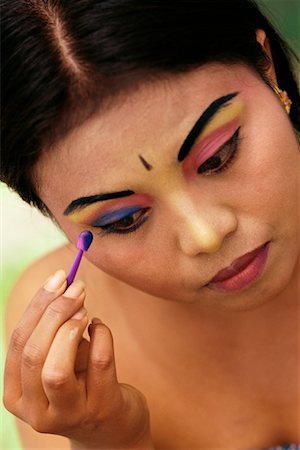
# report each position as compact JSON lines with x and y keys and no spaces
{"x":60,"y":383}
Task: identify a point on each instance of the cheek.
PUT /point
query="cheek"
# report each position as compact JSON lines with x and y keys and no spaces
{"x":277,"y":167}
{"x":142,"y":265}
{"x":269,"y":184}
{"x":119,"y":258}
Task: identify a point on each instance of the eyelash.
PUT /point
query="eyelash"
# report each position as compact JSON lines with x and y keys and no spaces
{"x":232,"y":143}
{"x":111,"y":227}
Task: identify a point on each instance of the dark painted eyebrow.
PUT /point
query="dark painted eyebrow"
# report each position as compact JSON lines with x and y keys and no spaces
{"x":203,"y":120}
{"x":84,"y":201}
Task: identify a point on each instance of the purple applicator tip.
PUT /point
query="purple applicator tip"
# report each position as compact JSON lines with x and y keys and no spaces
{"x":84,"y":240}
{"x":83,"y":243}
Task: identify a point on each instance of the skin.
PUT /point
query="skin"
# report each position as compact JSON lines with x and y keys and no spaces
{"x":202,"y":223}
{"x":148,"y":285}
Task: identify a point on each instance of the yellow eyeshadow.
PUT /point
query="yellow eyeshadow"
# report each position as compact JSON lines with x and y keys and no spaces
{"x":224,"y":116}
{"x":168,"y":177}
{"x":85,"y":215}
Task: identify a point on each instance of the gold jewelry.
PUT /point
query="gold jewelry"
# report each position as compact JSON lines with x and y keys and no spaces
{"x":283,"y":97}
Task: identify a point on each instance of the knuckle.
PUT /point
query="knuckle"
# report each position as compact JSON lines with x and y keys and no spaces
{"x":91,"y":421}
{"x":32,"y":356}
{"x":38,"y":424}
{"x":17,"y":341}
{"x":102,"y":362}
{"x":72,"y":326}
{"x":55,"y":380}
{"x":38,"y":304}
{"x":61,"y":309}
{"x":54,"y":313}
{"x":7,"y":402}
{"x":46,"y":423}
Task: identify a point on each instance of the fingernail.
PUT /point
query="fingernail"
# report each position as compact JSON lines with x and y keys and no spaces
{"x":55,"y":282}
{"x":80,"y":314}
{"x":75,"y":289}
{"x":96,"y":320}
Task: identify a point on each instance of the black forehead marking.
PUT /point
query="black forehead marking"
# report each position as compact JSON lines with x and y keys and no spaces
{"x":145,"y":163}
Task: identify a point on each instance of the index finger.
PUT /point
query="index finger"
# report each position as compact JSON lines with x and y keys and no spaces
{"x":52,"y":289}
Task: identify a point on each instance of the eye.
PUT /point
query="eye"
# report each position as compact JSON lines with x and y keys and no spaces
{"x":127,"y":224}
{"x":223,"y":158}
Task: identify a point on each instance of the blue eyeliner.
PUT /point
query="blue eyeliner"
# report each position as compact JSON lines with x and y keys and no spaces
{"x":114,"y":216}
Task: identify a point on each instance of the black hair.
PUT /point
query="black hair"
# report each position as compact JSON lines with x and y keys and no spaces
{"x":62,"y":59}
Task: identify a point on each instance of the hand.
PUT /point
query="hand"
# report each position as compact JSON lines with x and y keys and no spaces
{"x":60,"y":383}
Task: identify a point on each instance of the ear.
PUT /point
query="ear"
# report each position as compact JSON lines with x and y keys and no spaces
{"x":264,"y":42}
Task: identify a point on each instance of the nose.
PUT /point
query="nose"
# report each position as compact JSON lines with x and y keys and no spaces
{"x":204,"y":230}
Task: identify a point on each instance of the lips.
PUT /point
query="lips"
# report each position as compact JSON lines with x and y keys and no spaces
{"x":242,"y":270}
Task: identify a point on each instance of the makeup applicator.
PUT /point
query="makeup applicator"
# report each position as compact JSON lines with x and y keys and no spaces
{"x":83,"y":243}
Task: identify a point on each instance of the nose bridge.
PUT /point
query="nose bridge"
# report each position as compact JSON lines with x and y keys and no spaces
{"x":200,"y":226}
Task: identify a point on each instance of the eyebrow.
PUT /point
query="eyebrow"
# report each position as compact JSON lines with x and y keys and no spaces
{"x":85,"y":201}
{"x":203,"y":120}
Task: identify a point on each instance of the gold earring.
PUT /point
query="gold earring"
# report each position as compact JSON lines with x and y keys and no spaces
{"x":283,"y":97}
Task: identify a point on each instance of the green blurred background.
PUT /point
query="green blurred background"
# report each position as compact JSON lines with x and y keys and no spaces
{"x":285,"y":15}
{"x":26,"y":234}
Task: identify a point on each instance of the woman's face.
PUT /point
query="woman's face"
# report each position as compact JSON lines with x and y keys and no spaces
{"x":169,"y":211}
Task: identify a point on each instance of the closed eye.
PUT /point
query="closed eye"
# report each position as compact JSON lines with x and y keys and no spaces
{"x":223,"y":158}
{"x":126,"y":224}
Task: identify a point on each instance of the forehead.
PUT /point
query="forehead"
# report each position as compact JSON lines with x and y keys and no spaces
{"x":102,"y":153}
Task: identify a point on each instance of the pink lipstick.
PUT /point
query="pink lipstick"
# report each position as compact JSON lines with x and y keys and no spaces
{"x":241,"y":271}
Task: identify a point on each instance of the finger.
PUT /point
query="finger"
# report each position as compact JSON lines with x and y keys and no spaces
{"x":60,"y":383}
{"x":40,"y":341}
{"x":53,"y":287}
{"x":102,"y":383}
{"x":81,"y":362}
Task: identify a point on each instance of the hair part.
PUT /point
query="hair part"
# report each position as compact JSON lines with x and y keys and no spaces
{"x":64,"y":60}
